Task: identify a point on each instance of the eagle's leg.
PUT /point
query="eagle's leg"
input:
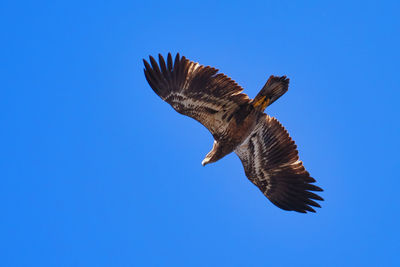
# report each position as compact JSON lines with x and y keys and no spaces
{"x":261,"y":103}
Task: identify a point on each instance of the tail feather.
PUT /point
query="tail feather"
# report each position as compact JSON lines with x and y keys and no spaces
{"x":274,"y":88}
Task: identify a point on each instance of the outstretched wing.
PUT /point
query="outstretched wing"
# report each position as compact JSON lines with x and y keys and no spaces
{"x":196,"y":91}
{"x":271,"y":162}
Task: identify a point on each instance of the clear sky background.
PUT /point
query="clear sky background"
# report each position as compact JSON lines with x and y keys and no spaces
{"x":96,"y":170}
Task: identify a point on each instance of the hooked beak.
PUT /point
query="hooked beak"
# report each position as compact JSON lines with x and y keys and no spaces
{"x":204,"y":162}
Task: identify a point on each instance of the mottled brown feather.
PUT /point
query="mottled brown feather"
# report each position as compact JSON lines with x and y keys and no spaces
{"x":195,"y":90}
{"x":270,"y":161}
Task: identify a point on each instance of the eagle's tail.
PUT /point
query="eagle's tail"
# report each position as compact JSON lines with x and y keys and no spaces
{"x":274,"y":88}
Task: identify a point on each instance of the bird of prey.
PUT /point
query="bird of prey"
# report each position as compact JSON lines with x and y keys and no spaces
{"x":238,"y":123}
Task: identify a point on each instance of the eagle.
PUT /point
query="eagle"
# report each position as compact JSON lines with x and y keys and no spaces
{"x":238,"y":124}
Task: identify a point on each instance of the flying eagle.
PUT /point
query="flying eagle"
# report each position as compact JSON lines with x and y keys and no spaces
{"x":238,"y":123}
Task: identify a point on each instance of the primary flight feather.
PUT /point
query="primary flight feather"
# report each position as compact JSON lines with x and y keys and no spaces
{"x":238,"y":123}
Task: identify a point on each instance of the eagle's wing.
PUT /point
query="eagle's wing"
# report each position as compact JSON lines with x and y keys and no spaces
{"x":271,"y":162}
{"x":196,"y":91}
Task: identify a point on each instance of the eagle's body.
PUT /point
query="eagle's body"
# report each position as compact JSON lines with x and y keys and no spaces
{"x":238,"y":129}
{"x":238,"y":124}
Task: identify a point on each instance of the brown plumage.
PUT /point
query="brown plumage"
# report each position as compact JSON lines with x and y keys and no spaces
{"x":238,"y":123}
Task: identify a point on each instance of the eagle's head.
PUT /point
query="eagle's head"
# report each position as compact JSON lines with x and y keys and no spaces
{"x":214,"y":155}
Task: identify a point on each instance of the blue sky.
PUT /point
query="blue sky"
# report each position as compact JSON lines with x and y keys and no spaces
{"x":98,"y":171}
